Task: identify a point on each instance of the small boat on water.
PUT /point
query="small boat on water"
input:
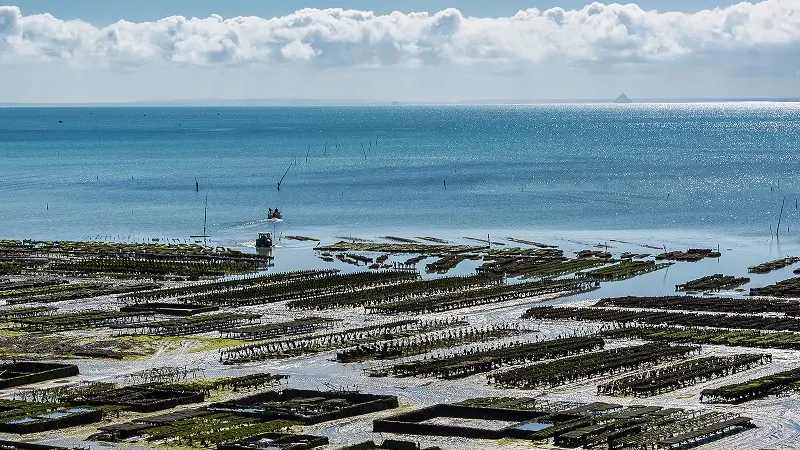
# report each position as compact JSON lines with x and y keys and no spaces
{"x":274,"y":215}
{"x":264,"y":240}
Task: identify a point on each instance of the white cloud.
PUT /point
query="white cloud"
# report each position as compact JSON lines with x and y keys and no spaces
{"x":745,"y":50}
{"x":597,"y":33}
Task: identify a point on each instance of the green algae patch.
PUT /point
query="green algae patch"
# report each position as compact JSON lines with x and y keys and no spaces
{"x":208,"y":344}
{"x":7,"y":330}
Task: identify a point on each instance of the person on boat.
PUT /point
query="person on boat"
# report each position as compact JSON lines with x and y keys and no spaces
{"x":276,"y":214}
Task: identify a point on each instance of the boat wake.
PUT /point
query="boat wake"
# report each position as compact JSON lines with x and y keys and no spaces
{"x":250,"y":223}
{"x":252,"y":244}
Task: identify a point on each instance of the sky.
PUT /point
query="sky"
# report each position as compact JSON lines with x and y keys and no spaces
{"x":93,"y":51}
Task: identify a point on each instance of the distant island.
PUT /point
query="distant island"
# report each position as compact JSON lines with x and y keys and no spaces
{"x":623,"y":99}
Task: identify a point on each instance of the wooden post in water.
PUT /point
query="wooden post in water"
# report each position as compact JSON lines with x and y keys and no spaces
{"x":284,"y":176}
{"x":778,"y":230}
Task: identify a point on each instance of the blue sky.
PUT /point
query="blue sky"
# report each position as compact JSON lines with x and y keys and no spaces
{"x":103,"y":12}
{"x":433,"y":51}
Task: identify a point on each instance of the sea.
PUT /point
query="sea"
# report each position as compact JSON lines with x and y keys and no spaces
{"x":666,"y":175}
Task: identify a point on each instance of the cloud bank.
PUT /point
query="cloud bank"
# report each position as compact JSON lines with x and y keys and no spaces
{"x":595,"y":34}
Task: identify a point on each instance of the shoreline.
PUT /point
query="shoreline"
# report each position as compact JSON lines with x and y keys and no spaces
{"x":737,"y":254}
{"x":652,"y":238}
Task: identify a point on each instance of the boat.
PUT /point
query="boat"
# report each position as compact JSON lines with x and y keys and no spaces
{"x":274,"y":215}
{"x":623,"y":99}
{"x":264,"y":240}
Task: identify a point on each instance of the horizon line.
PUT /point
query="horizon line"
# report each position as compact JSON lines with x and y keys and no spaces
{"x":229,"y":102}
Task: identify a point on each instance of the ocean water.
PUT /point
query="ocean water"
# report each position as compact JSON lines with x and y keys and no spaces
{"x":705,"y":170}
